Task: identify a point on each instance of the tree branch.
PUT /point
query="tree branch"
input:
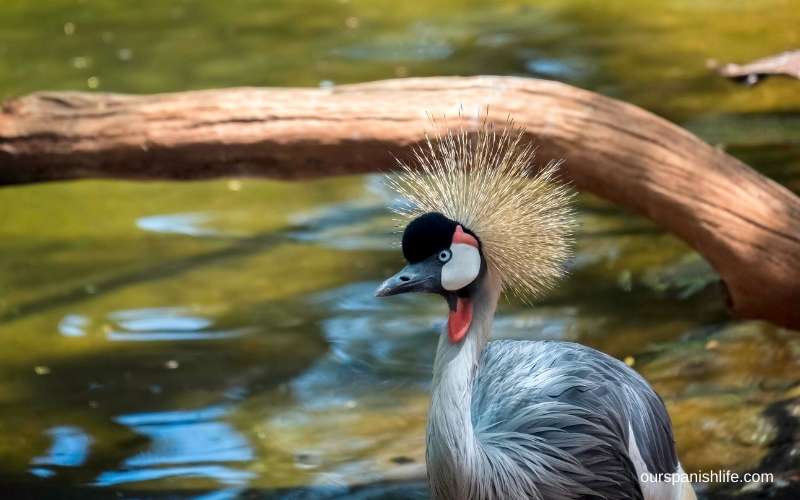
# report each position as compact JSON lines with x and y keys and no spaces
{"x":745,"y":225}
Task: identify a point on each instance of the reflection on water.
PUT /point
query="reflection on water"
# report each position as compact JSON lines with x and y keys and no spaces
{"x":165,"y":324}
{"x":332,"y":225}
{"x":159,"y":318}
{"x":189,"y":444}
{"x":221,"y":339}
{"x":191,"y":224}
{"x":70,"y":448}
{"x":300,"y":378}
{"x":73,"y":325}
{"x":553,"y":68}
{"x":366,"y":347}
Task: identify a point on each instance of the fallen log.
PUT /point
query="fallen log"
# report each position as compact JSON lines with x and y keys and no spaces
{"x":745,"y":225}
{"x":785,"y":64}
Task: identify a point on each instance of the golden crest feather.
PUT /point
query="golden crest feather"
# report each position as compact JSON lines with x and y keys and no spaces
{"x":486,"y":181}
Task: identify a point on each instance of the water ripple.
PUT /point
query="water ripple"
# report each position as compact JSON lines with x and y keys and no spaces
{"x":186,"y":443}
{"x":166,"y":324}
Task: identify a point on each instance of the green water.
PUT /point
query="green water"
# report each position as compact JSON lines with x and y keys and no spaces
{"x":221,"y":337}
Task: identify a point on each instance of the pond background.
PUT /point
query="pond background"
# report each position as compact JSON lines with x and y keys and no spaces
{"x":219,"y":339}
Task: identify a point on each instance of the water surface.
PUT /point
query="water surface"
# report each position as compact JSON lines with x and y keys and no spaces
{"x":216,"y":339}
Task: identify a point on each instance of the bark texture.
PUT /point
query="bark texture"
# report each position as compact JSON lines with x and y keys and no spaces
{"x":745,"y":225}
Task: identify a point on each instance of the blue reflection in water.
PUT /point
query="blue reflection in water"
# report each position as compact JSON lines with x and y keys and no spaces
{"x":220,"y":473}
{"x":163,"y":318}
{"x":42,"y":472}
{"x":193,"y":443}
{"x":166,"y":324}
{"x":73,"y":325}
{"x":554,"y":68}
{"x":369,"y":346}
{"x":70,"y":448}
{"x":350,"y":225}
{"x":190,"y":224}
{"x":170,"y":336}
{"x":376,"y":343}
{"x":343,"y":226}
{"x":225,"y":494}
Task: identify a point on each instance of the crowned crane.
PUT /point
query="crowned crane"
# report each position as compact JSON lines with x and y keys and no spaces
{"x":510,"y":420}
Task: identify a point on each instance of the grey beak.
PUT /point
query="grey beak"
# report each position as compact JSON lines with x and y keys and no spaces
{"x":420,"y":277}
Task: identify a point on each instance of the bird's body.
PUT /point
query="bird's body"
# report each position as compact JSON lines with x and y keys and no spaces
{"x":518,"y":419}
{"x":543,"y":420}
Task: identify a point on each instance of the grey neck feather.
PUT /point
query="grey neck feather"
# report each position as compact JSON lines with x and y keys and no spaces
{"x":453,"y":447}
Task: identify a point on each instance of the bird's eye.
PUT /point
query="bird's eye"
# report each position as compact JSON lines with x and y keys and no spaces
{"x":444,"y":255}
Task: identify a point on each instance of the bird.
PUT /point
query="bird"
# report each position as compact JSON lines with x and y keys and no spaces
{"x":517,"y":419}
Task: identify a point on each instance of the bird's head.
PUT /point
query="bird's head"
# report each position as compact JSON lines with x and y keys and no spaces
{"x":443,"y":258}
{"x":480,"y":212}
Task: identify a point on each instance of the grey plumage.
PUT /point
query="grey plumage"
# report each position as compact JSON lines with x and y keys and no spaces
{"x":572,"y":407}
{"x":542,"y":420}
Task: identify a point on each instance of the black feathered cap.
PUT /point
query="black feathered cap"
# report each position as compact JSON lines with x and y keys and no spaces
{"x":427,"y":235}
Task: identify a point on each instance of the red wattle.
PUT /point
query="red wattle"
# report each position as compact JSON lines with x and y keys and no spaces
{"x":459,"y":320}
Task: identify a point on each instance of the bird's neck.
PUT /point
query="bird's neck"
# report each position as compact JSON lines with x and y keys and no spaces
{"x":451,"y":437}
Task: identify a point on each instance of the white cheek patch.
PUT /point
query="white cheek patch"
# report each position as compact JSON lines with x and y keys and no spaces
{"x":462,"y":268}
